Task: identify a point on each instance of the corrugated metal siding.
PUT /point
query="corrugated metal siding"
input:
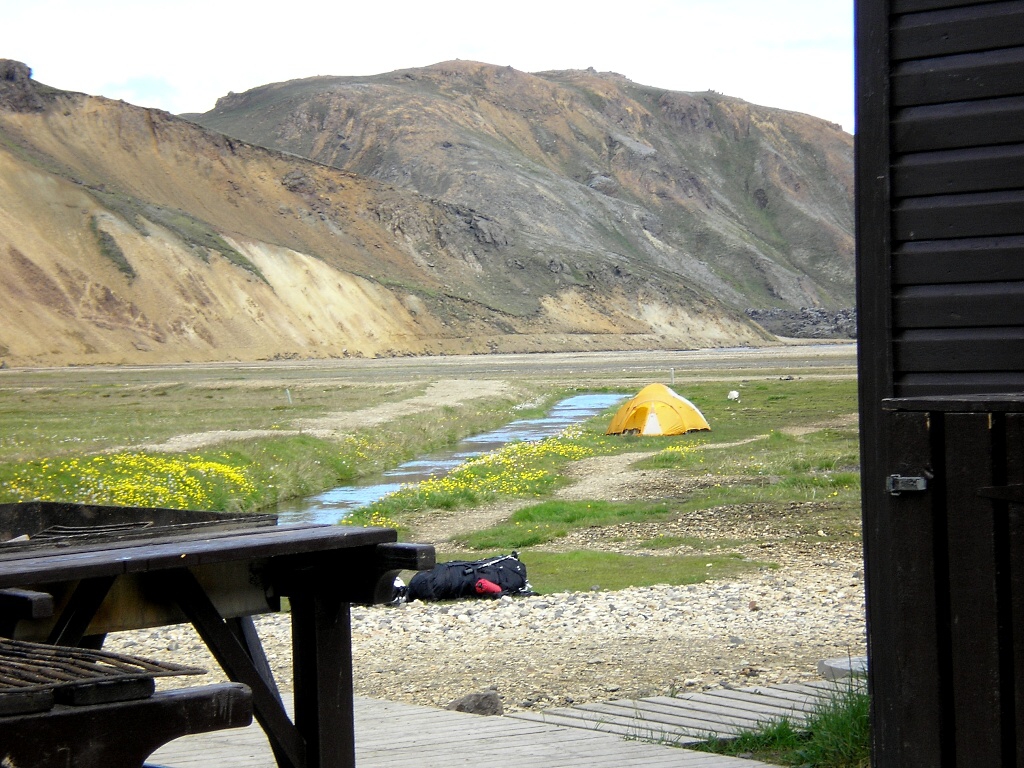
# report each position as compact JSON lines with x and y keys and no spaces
{"x":957,"y":193}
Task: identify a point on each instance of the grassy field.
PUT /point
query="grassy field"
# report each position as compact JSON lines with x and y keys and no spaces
{"x":93,"y":436}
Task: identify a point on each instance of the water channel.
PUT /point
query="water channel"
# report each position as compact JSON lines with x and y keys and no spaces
{"x":331,"y":506}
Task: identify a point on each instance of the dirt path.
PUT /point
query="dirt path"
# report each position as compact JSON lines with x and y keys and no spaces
{"x":448,"y":392}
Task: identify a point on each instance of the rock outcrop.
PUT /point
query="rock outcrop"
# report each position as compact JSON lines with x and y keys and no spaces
{"x":807,"y":322}
{"x":588,"y":170}
{"x":17,"y":93}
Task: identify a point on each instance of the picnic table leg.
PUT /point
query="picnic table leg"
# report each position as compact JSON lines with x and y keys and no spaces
{"x":238,"y":662}
{"x":322,"y":648}
{"x":76,"y":616}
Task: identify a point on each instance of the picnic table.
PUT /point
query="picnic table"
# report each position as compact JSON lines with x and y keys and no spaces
{"x":71,"y":596}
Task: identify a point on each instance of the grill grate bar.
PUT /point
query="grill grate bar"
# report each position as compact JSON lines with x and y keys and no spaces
{"x":34,"y":666}
{"x":69,"y":531}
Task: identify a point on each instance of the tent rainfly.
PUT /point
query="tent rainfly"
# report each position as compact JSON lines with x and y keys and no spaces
{"x":657,"y":410}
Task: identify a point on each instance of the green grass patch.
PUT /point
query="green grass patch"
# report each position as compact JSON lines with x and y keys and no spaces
{"x":769,"y":467}
{"x":516,"y":470}
{"x":549,"y":520}
{"x":769,"y":404}
{"x":776,"y":742}
{"x":821,"y":466}
{"x":108,"y":247}
{"x":48,"y":419}
{"x":837,"y":734}
{"x":46,"y":416}
{"x":583,"y":571}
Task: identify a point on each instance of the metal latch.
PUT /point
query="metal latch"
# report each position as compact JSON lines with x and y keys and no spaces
{"x":897,"y":484}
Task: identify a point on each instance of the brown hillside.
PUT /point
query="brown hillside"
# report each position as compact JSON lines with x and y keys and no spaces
{"x":582,"y":168}
{"x":130,"y":236}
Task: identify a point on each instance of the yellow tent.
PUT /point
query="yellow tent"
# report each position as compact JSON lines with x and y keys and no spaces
{"x":657,"y":410}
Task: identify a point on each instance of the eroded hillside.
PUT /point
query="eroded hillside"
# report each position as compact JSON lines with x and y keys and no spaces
{"x":128,"y":235}
{"x":586,"y":171}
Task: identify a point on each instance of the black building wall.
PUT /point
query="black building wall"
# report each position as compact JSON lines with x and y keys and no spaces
{"x":940,"y":260}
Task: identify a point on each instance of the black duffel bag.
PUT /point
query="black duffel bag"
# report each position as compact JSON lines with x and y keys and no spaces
{"x":504,"y":575}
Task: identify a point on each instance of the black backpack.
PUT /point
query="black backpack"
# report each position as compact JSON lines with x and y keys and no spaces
{"x":504,"y":575}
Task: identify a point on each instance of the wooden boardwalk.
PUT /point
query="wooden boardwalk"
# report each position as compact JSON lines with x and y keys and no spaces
{"x":693,"y":717}
{"x":397,"y":735}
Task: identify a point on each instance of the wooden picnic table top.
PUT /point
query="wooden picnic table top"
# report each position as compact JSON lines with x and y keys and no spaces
{"x":21,"y":567}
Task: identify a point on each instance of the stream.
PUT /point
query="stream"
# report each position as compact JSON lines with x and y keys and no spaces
{"x":331,"y":506}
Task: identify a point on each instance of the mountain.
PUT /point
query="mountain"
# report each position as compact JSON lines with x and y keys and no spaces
{"x":566,"y":170}
{"x":460,"y":208}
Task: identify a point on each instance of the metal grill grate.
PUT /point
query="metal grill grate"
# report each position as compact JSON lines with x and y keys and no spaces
{"x":34,"y":666}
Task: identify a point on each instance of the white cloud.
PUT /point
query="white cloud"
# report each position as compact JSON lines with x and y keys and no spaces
{"x":182,"y":55}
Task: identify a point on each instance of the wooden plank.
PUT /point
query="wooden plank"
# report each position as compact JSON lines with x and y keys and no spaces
{"x":955,"y":171}
{"x":309,"y":536}
{"x":982,"y":214}
{"x":447,"y":736}
{"x":963,"y":77}
{"x":904,"y":651}
{"x":613,"y":720}
{"x":669,"y":719}
{"x":959,"y":306}
{"x":823,"y":691}
{"x":929,"y":384}
{"x":322,"y":664}
{"x":12,"y":554}
{"x":958,"y":30}
{"x":960,"y":124}
{"x":766,"y":703}
{"x":795,"y":691}
{"x":974,"y":612}
{"x":997,"y":402}
{"x":1014,"y":453}
{"x":934,"y":262}
{"x":569,"y":720}
{"x":75,"y":617}
{"x":874,"y":309}
{"x":399,"y":735}
{"x":955,"y":350}
{"x":121,"y":733}
{"x":872,"y":208}
{"x":758,"y":705}
{"x":746,"y":717}
{"x":287,"y":742}
{"x":917,"y":6}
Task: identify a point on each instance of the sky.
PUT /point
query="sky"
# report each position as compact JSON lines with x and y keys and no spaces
{"x":182,"y":55}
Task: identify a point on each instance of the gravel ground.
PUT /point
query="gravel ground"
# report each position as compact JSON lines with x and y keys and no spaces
{"x":769,"y":627}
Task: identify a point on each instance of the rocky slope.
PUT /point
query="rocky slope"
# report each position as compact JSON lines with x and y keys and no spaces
{"x":128,"y":235}
{"x":586,"y":171}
